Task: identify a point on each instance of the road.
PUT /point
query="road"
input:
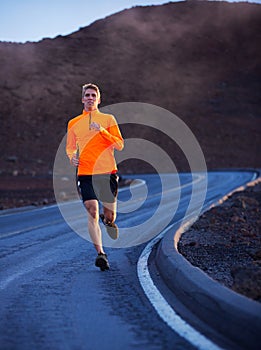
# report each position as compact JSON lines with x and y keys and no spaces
{"x":52,"y":295}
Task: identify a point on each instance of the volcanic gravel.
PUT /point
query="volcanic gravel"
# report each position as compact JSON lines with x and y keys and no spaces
{"x":226,"y":242}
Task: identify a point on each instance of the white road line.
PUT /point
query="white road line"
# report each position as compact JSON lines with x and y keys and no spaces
{"x":164,"y":310}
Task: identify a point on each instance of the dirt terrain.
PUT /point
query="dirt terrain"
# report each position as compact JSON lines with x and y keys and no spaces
{"x":226,"y":243}
{"x":191,"y":58}
{"x":199,"y":60}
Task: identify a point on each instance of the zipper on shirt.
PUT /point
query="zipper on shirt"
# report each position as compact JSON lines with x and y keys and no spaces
{"x":90,"y":120}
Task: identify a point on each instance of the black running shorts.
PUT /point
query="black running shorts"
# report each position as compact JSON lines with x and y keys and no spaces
{"x":102,"y":187}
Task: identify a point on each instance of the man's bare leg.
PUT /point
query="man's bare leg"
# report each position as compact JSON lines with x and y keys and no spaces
{"x":108,"y":217}
{"x":92,"y":208}
{"x":110,"y":211}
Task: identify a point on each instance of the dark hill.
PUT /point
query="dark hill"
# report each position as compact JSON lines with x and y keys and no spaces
{"x":200,"y":60}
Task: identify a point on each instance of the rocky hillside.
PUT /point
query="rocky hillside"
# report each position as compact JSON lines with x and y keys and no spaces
{"x":199,"y":60}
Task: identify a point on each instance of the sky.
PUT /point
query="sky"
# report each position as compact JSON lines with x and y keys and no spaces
{"x":33,"y":20}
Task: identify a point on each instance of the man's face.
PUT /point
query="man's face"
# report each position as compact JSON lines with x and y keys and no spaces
{"x":90,"y":100}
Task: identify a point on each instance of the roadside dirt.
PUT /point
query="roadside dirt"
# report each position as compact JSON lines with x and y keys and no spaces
{"x":226,"y":243}
{"x":20,"y":191}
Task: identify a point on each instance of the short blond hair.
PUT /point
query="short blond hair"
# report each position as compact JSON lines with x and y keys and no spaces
{"x":91,"y":86}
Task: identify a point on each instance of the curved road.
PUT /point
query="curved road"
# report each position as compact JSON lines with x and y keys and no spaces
{"x":52,"y":295}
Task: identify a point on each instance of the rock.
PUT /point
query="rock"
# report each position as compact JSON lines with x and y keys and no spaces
{"x":11,"y":159}
{"x":247,"y":281}
{"x":65,"y":178}
{"x":236,"y":218}
{"x":257,"y":255}
{"x":247,"y":201}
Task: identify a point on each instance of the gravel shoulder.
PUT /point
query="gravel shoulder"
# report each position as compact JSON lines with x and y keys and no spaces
{"x":225,"y":242}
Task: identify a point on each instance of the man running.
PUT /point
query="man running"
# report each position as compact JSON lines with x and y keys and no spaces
{"x":91,"y":140}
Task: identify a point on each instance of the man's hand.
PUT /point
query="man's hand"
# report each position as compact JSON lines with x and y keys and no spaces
{"x":95,"y":126}
{"x":75,"y":160}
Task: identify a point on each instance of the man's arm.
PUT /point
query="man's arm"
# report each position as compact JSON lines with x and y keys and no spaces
{"x":71,"y":146}
{"x":111,"y":134}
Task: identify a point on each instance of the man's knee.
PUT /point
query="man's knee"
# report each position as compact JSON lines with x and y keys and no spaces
{"x":92,"y":210}
{"x":110,"y":215}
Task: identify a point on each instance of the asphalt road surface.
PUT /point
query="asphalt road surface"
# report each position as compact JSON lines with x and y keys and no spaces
{"x":52,"y":295}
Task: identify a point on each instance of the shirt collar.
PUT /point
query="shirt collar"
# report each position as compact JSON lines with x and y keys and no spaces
{"x":84,"y":112}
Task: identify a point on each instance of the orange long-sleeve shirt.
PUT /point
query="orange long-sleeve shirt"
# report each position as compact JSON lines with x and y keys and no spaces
{"x":96,"y":148}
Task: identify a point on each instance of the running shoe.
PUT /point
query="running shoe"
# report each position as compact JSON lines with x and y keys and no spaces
{"x":102,"y":262}
{"x":111,"y":227}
